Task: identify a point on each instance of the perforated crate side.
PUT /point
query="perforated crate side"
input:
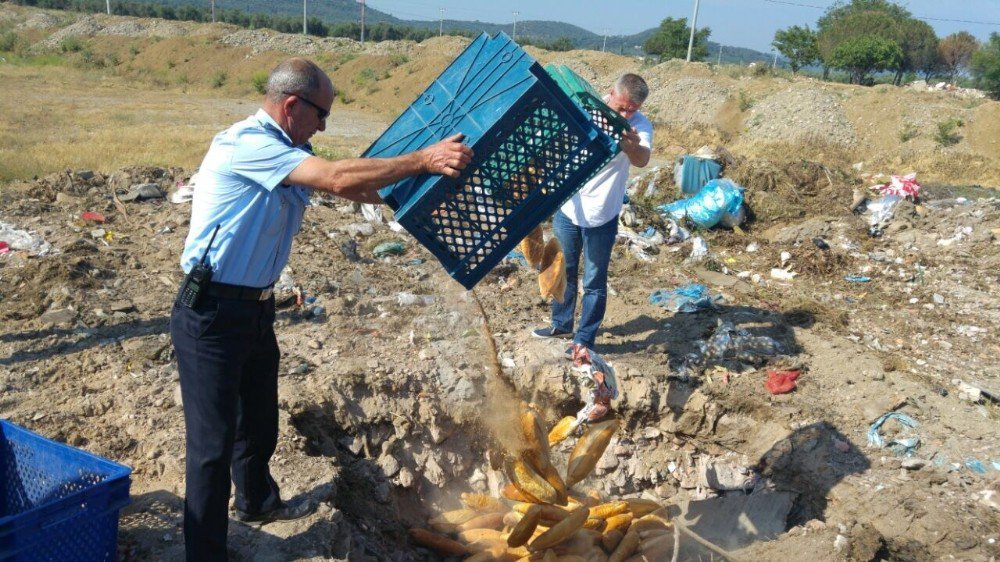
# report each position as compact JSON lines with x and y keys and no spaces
{"x":57,"y":502}
{"x":518,"y":178}
{"x":580,"y":91}
{"x":472,"y":96}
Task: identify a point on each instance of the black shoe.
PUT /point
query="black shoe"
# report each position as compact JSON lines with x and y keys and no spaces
{"x":284,"y":512}
{"x":550,"y":332}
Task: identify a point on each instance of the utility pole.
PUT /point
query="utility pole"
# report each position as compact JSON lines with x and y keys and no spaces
{"x":213,"y":10}
{"x":604,"y":45}
{"x":362,"y":22}
{"x":719,"y":62}
{"x":775,"y":63}
{"x":305,"y":30}
{"x":514,"y":33}
{"x":109,"y":7}
{"x":694,"y":25}
{"x":441,"y":24}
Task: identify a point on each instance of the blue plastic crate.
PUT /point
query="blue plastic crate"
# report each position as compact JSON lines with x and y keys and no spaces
{"x":534,"y":148}
{"x":57,"y":503}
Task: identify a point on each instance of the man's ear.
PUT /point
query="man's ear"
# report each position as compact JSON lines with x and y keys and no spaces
{"x":286,"y":105}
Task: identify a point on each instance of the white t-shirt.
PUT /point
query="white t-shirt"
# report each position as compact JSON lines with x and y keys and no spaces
{"x":600,"y":199}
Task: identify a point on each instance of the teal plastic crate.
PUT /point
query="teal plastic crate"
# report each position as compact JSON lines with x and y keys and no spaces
{"x":57,"y":503}
{"x":606,"y":119}
{"x":534,"y":148}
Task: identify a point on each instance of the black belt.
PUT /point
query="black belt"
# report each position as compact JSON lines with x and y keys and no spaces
{"x":239,"y":292}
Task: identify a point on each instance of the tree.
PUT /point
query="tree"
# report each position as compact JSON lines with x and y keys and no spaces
{"x":863,"y":55}
{"x":859,"y":18}
{"x":985,"y":66}
{"x":670,"y":40}
{"x":798,"y":44}
{"x":956,"y":50}
{"x":920,"y":49}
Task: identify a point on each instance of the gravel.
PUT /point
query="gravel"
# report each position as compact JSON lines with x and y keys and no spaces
{"x":800,"y":113}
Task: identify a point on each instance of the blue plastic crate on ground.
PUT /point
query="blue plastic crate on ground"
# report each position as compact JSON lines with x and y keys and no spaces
{"x":534,"y":148}
{"x":57,"y":503}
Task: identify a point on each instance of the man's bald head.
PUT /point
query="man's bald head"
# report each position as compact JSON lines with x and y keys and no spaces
{"x":296,"y":76}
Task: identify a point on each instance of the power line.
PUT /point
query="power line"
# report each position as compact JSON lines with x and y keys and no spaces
{"x":925,"y":18}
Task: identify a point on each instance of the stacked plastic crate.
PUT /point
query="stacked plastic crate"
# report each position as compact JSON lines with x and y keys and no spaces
{"x":534,"y":148}
{"x":57,"y":502}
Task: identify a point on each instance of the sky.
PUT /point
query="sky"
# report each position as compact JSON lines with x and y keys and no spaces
{"x":739,"y":23}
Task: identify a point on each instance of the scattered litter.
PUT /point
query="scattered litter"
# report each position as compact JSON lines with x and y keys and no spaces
{"x":677,"y":232}
{"x":184,"y":192}
{"x":975,"y":465}
{"x":350,"y":250}
{"x":395,"y":226}
{"x":599,"y":373}
{"x":691,"y":172}
{"x":857,"y":278}
{"x":372,"y":212}
{"x":409,"y":299}
{"x":721,"y":200}
{"x":785,"y":256}
{"x":689,"y":298}
{"x":699,"y":249}
{"x":415,"y":261}
{"x":92,"y":216}
{"x":142,"y":192}
{"x":881,"y":214}
{"x":961,"y":233}
{"x":23,"y":240}
{"x":781,"y":382}
{"x":821,"y":244}
{"x":359,"y":229}
{"x":901,"y":446}
{"x":729,"y":343}
{"x":903,"y":186}
{"x":391,"y":248}
{"x":4,"y":247}
{"x":753,"y":247}
{"x":515,"y":256}
{"x":782,"y":274}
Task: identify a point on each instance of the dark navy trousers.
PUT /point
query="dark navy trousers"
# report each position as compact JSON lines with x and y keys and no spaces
{"x":227,"y":356}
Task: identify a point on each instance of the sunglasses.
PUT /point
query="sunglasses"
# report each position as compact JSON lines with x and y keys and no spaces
{"x":320,"y":112}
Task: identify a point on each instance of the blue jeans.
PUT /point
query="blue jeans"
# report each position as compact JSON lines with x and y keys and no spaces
{"x":596,"y":244}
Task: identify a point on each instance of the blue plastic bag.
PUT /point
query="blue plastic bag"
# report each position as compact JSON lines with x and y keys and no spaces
{"x":689,"y":298}
{"x":719,"y":199}
{"x":692,"y":172}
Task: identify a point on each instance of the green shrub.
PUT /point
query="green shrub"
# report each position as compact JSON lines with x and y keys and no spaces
{"x":366,"y":76}
{"x":908,"y":132}
{"x":71,"y":44}
{"x":398,"y":59}
{"x":218,"y":79}
{"x":8,"y":41}
{"x":746,"y":102}
{"x":259,"y":82}
{"x":946,"y":134}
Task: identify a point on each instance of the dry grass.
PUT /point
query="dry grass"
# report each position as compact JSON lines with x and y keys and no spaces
{"x":73,"y":118}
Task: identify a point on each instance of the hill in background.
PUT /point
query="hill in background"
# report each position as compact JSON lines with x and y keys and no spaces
{"x":348,"y":11}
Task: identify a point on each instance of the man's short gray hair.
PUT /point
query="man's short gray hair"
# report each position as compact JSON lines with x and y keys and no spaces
{"x":633,"y":87}
{"x":294,"y":76}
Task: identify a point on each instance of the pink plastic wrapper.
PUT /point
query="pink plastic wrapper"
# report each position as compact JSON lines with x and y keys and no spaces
{"x":904,"y":186}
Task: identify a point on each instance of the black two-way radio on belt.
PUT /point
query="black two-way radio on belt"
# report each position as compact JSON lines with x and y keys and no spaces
{"x":198,"y":278}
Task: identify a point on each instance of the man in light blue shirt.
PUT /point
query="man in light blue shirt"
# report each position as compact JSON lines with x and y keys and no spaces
{"x":252,"y":190}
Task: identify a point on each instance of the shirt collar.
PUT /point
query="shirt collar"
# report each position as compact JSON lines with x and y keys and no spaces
{"x":268,"y":122}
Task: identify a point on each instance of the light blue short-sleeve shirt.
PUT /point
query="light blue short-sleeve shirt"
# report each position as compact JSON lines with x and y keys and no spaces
{"x":239,"y":188}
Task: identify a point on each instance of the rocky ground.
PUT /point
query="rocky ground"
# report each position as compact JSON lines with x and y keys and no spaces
{"x":388,"y":407}
{"x":382,"y":394}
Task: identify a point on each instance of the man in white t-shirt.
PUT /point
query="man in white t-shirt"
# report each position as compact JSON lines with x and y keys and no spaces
{"x":588,"y":222}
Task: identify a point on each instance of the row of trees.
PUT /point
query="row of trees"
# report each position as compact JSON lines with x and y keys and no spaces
{"x":863,"y":37}
{"x":286,"y":24}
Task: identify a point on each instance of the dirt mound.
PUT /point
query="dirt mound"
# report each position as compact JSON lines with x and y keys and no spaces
{"x":802,"y":112}
{"x":688,"y":101}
